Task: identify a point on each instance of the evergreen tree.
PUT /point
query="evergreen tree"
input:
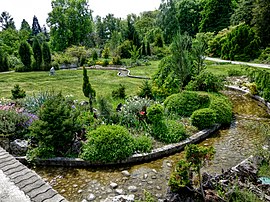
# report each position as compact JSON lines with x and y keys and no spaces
{"x":243,"y":12}
{"x":4,"y":64}
{"x":46,"y":56}
{"x":216,"y":15}
{"x":261,"y":16}
{"x":148,"y":49}
{"x":25,"y":26}
{"x":25,"y":53}
{"x":88,"y":91}
{"x":143,"y":49}
{"x":45,"y":32}
{"x":37,"y":55}
{"x":6,"y":21}
{"x":36,"y":29}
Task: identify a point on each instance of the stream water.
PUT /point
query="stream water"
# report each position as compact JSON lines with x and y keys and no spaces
{"x":232,"y":145}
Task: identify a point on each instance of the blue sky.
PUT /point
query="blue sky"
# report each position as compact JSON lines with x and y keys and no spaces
{"x":26,"y":9}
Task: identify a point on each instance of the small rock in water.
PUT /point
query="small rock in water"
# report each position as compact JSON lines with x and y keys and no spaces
{"x":84,"y":200}
{"x":75,"y":185}
{"x":145,"y":176}
{"x":119,"y":191}
{"x":62,"y":191}
{"x":91,"y":197}
{"x":154,"y":177}
{"x":169,"y":164}
{"x":154,"y":170}
{"x":113,"y":185}
{"x":158,"y":188}
{"x":132,"y":188}
{"x":126,"y":173}
{"x":80,"y":191}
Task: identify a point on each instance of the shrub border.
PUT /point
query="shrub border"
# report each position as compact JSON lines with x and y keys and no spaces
{"x":136,"y":158}
{"x":144,"y":157}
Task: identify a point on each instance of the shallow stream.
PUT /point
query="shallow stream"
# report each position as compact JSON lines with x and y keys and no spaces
{"x":232,"y":145}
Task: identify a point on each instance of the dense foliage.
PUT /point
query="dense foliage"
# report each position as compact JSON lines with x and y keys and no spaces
{"x":108,"y":143}
{"x":186,"y":102}
{"x":55,"y":129}
{"x":206,"y":81}
{"x":203,"y":118}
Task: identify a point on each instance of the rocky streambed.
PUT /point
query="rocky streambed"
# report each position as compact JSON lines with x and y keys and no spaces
{"x":233,"y":144}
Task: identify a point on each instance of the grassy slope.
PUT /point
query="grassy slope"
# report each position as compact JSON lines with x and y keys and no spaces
{"x":70,"y":81}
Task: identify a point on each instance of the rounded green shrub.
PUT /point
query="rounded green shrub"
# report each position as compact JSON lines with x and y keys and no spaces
{"x":176,"y":132}
{"x":143,"y":144}
{"x":223,"y":108}
{"x":108,"y":143}
{"x":206,"y":81}
{"x":203,"y":118}
{"x":186,"y":102}
{"x":155,"y":113}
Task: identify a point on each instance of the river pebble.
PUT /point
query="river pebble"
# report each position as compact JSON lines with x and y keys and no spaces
{"x":91,"y":197}
{"x":113,"y":185}
{"x":132,"y":188}
{"x":125,"y":173}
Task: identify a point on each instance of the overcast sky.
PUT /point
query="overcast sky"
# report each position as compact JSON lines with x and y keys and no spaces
{"x":26,"y":9}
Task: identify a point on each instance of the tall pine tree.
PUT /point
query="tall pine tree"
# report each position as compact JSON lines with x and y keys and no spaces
{"x":46,"y":56}
{"x":37,"y":55}
{"x":88,"y":91}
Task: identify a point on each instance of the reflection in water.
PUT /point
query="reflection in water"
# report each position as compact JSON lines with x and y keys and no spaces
{"x":232,"y":145}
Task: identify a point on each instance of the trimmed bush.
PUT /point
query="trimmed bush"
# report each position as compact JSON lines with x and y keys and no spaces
{"x":17,"y":92}
{"x":223,"y":108}
{"x":119,"y":92}
{"x":176,"y":132}
{"x":206,"y":81}
{"x":186,"y":102}
{"x":108,"y":143}
{"x":155,"y":113}
{"x":203,"y":118}
{"x":143,"y":144}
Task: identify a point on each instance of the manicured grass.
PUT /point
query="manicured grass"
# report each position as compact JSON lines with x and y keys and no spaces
{"x":145,"y":70}
{"x":222,"y":69}
{"x":69,"y":82}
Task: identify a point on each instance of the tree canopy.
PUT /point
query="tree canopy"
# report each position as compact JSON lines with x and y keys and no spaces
{"x":70,"y":23}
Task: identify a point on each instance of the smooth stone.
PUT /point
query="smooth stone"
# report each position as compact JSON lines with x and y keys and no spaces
{"x":84,"y":200}
{"x":91,"y":197}
{"x":80,"y":191}
{"x":75,"y":185}
{"x":154,"y":177}
{"x":145,"y":176}
{"x":158,"y":188}
{"x":154,"y":170}
{"x":132,"y":188}
{"x":119,"y":191}
{"x":120,"y":198}
{"x":169,"y":164}
{"x":125,"y":173}
{"x":113,"y":185}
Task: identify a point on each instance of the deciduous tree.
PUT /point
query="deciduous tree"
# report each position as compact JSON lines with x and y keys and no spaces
{"x":70,"y":23}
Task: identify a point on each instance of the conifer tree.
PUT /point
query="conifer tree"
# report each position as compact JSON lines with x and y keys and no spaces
{"x":25,"y":53}
{"x":46,"y":56}
{"x":88,"y":91}
{"x":37,"y":51}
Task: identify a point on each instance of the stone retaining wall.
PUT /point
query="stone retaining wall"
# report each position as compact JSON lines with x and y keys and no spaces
{"x":27,"y":180}
{"x":136,"y":158}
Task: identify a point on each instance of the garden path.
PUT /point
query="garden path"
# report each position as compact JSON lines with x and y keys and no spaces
{"x":238,"y":63}
{"x":20,"y":184}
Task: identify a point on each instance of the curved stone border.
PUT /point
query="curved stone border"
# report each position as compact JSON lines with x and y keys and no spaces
{"x":136,"y":158}
{"x":256,"y":97}
{"x":26,"y":180}
{"x":119,"y":69}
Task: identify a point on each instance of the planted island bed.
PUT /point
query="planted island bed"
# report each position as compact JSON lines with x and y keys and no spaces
{"x":59,"y":126}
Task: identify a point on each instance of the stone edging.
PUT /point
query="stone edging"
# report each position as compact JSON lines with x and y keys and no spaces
{"x":136,"y":158}
{"x":256,"y":97}
{"x":119,"y":73}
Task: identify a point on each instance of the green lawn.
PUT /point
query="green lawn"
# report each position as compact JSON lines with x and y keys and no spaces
{"x":145,"y":70}
{"x":69,"y":82}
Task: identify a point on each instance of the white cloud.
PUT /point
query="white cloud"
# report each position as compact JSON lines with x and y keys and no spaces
{"x":26,"y":9}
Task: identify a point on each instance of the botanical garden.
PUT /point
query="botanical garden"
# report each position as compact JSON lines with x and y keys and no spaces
{"x":129,"y":87}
